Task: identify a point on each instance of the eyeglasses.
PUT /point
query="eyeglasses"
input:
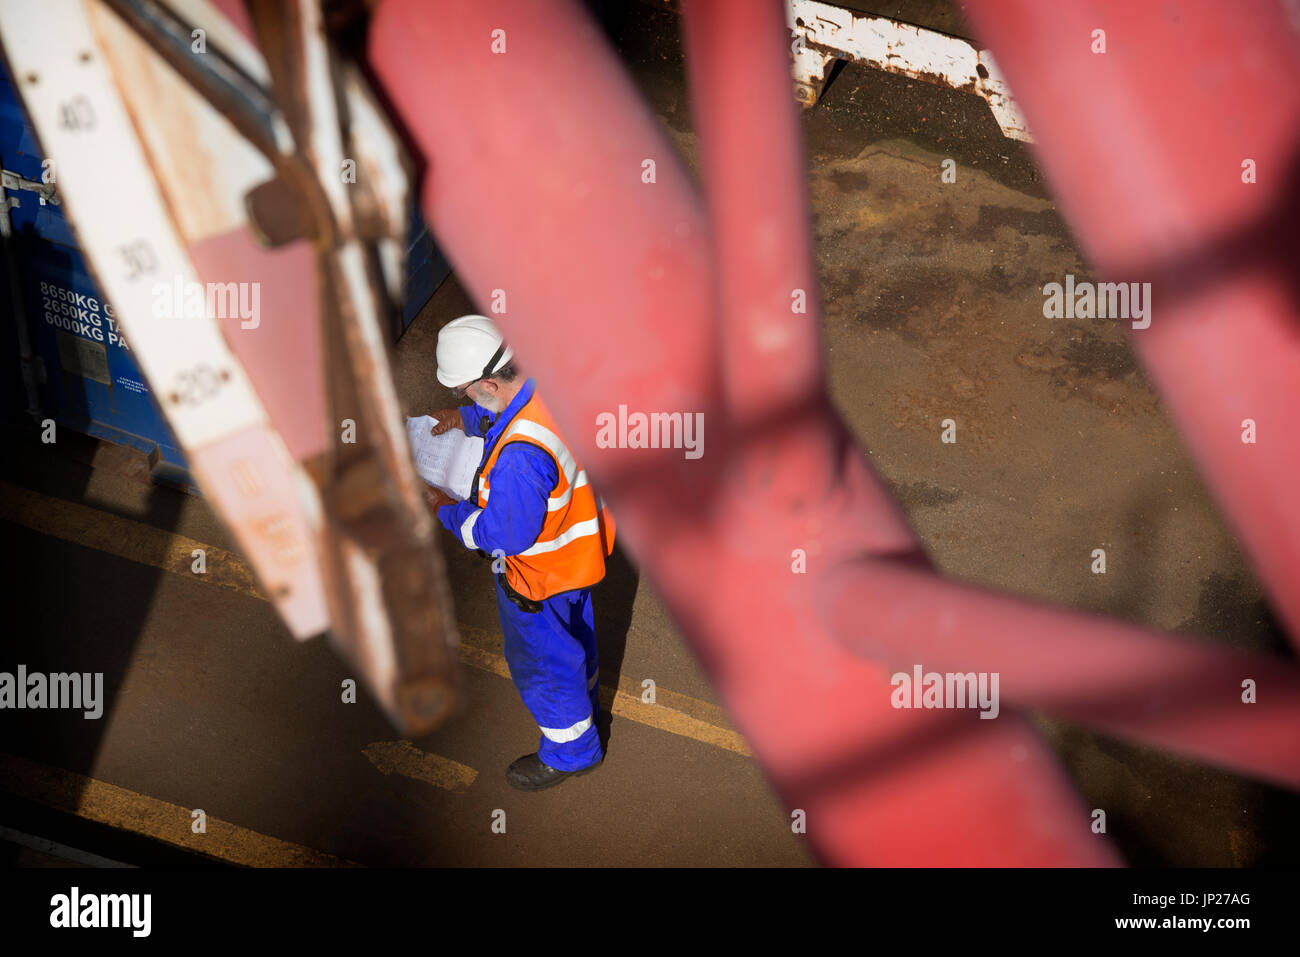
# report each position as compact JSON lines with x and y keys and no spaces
{"x":460,"y":390}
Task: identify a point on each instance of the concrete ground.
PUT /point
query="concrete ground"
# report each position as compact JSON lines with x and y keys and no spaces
{"x":933,"y":310}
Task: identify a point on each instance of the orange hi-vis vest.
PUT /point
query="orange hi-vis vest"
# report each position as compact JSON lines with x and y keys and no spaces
{"x":578,"y":532}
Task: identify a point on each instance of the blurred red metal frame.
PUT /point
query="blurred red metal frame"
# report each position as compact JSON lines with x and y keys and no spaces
{"x":645,"y":294}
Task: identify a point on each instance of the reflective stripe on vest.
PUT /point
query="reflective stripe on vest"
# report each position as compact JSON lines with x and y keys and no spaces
{"x":576,"y":534}
{"x":555,"y":504}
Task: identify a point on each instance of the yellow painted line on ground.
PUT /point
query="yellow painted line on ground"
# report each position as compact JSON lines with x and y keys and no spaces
{"x":135,"y":541}
{"x":132,"y":811}
{"x":124,"y":537}
{"x":404,"y":758}
{"x":672,"y":712}
{"x":672,"y":720}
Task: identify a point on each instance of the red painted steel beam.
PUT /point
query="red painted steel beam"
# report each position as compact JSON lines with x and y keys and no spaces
{"x":535,"y":189}
{"x":1052,"y":659}
{"x":1143,"y":146}
{"x":752,"y":165}
{"x":1160,"y":689}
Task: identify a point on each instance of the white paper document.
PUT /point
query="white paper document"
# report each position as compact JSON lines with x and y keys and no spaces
{"x":446,"y":461}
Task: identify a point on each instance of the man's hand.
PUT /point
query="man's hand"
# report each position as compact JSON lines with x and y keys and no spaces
{"x":448,"y":419}
{"x":435,"y":498}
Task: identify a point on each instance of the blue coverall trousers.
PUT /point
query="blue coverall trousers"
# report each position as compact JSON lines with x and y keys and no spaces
{"x":552,"y":659}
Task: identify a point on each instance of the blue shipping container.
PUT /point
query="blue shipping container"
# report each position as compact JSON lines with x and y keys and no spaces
{"x":87,"y":378}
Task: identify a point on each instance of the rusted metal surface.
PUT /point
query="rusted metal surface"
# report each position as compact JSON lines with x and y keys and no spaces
{"x":219,"y":79}
{"x":131,"y":232}
{"x":825,"y":32}
{"x":276,"y":215}
{"x":246,"y":145}
{"x":390,"y":602}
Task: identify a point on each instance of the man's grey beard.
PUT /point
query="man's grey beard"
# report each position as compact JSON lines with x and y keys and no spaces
{"x":494,"y":405}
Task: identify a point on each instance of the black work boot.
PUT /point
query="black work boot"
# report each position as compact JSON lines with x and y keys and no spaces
{"x":530,"y":773}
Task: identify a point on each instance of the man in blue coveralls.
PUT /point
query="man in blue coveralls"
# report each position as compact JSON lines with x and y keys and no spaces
{"x":533,"y":512}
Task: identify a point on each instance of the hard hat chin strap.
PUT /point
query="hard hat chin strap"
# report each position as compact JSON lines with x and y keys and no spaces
{"x":487,"y":369}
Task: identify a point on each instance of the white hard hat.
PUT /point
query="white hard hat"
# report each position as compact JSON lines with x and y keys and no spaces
{"x":470,"y":348}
